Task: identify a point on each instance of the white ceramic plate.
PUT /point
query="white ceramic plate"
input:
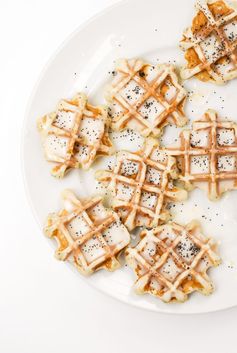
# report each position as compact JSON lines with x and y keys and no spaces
{"x":149,"y":29}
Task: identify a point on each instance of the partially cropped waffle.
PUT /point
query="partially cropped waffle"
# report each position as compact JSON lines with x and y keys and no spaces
{"x":210,"y":44}
{"x":171,"y":261}
{"x":75,"y":134}
{"x":142,"y":185}
{"x":145,"y":97}
{"x":89,"y":235}
{"x":207,"y":155}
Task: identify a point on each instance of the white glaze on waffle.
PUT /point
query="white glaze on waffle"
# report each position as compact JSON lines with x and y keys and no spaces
{"x":207,"y":155}
{"x":75,"y":134}
{"x":88,"y":235}
{"x":171,"y":261}
{"x":141,"y":185}
{"x":145,"y":97}
{"x":211,"y":42}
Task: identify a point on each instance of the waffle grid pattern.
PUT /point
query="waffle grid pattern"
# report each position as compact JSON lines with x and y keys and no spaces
{"x":142,"y":186}
{"x":145,"y":97}
{"x":211,"y":43}
{"x":86,"y":231}
{"x":75,"y":134}
{"x":171,"y":262}
{"x":210,"y":148}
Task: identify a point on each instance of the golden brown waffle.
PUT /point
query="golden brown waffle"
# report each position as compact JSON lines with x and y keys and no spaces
{"x":88,"y":234}
{"x":75,"y":134}
{"x":141,"y":185}
{"x":145,"y":97}
{"x":171,"y":261}
{"x":211,"y":42}
{"x":207,"y":155}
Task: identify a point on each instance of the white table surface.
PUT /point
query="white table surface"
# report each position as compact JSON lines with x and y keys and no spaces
{"x":43,"y":306}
